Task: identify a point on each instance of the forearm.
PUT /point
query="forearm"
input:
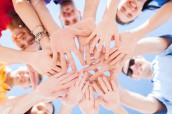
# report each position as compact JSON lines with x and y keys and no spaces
{"x":111,"y":10}
{"x":45,"y":17}
{"x":31,"y":19}
{"x":24,"y":104}
{"x":141,"y":103}
{"x":9,"y":102}
{"x":91,"y":8}
{"x":13,"y":56}
{"x":120,"y":110}
{"x":159,"y":18}
{"x":151,"y":46}
{"x":65,"y":109}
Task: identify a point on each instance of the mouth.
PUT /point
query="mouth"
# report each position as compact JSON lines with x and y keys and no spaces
{"x":132,"y":5}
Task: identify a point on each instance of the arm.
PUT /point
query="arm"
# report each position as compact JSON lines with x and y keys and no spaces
{"x":141,"y":103}
{"x":31,"y":19}
{"x":65,"y":109}
{"x":44,"y":15}
{"x":165,"y":12}
{"x":91,"y":8}
{"x":151,"y":46}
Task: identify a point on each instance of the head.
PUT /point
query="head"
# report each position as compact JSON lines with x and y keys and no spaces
{"x":42,"y":108}
{"x":137,"y":68}
{"x":69,"y":15}
{"x":21,"y":35}
{"x":128,"y":10}
{"x":21,"y":77}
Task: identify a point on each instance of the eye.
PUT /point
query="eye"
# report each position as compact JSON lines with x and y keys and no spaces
{"x":129,"y":15}
{"x":22,"y":46}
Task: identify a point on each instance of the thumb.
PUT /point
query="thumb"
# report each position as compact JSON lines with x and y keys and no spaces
{"x":33,"y":79}
{"x":78,"y":32}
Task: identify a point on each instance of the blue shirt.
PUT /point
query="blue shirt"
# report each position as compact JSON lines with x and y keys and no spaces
{"x":161,"y":2}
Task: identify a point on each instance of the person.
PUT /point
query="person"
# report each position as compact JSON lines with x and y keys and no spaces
{"x":159,"y":99}
{"x":69,"y":14}
{"x":129,"y":39}
{"x":54,"y":86}
{"x":43,"y":108}
{"x":56,"y":39}
{"x":129,"y":10}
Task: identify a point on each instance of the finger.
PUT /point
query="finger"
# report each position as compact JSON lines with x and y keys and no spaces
{"x":48,"y":74}
{"x":88,"y":56}
{"x":52,"y":72}
{"x":87,"y":94}
{"x":107,"y":50}
{"x":90,"y":37}
{"x":68,"y":79}
{"x":107,"y":84}
{"x":113,"y":50}
{"x":118,"y":58}
{"x":95,"y":76}
{"x":65,"y":75}
{"x":85,"y":87}
{"x":54,"y":58}
{"x":81,"y":84}
{"x":63,"y":63}
{"x":57,"y":69}
{"x":92,"y":67}
{"x":79,"y":55}
{"x":97,"y":89}
{"x":71,"y":61}
{"x":114,"y":85}
{"x":103,"y":85}
{"x":93,"y":45}
{"x":99,"y":49}
{"x":33,"y":79}
{"x":91,"y":93}
{"x":69,"y":84}
{"x":114,"y":55}
{"x":57,"y":75}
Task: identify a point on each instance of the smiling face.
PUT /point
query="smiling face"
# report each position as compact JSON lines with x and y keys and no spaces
{"x":22,"y":37}
{"x":137,"y":68}
{"x":69,"y":15}
{"x":42,"y":108}
{"x":128,"y":10}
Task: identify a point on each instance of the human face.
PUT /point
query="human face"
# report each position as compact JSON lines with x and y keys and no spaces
{"x":22,"y":37}
{"x":42,"y":108}
{"x":69,"y":15}
{"x":21,"y":77}
{"x":137,"y":68}
{"x":128,"y":10}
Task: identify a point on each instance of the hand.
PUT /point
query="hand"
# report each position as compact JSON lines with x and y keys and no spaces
{"x":53,"y":87}
{"x":62,"y":42}
{"x":127,"y":46}
{"x":109,"y":95}
{"x":43,"y":66}
{"x":85,"y":24}
{"x":88,"y":105}
{"x":103,"y":33}
{"x":105,"y":66}
{"x":77,"y":91}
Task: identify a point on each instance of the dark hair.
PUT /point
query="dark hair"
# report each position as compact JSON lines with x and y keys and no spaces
{"x":64,"y":2}
{"x":29,"y":111}
{"x":148,"y":6}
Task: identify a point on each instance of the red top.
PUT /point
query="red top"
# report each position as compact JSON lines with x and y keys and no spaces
{"x":6,"y":6}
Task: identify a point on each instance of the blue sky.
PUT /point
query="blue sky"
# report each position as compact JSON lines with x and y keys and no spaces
{"x":143,"y":86}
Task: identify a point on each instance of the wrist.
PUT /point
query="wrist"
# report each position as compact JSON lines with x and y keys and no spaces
{"x":45,"y":42}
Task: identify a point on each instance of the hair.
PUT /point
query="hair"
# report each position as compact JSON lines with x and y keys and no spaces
{"x":64,"y":2}
{"x":29,"y":111}
{"x":146,"y":6}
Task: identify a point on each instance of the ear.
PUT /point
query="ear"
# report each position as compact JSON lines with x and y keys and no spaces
{"x":60,"y":16}
{"x":79,"y":12}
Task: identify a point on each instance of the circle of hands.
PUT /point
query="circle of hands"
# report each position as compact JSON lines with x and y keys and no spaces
{"x":95,"y":51}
